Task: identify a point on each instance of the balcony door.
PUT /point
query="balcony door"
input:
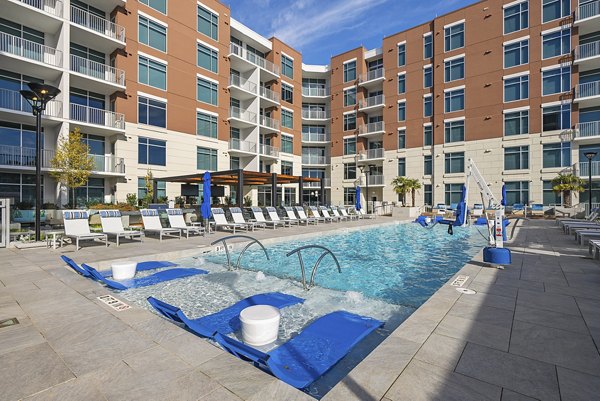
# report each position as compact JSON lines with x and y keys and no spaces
{"x":87,"y":106}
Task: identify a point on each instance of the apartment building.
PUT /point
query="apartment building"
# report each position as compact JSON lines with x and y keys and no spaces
{"x":182,"y":88}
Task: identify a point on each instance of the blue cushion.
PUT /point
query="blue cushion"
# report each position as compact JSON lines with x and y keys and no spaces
{"x":73,"y":215}
{"x":175,"y":212}
{"x":149,"y":212}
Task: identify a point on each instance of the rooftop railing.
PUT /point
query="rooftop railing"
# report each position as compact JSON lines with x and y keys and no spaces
{"x":30,"y":50}
{"x":97,"y":24}
{"x":97,"y":70}
{"x":253,"y":58}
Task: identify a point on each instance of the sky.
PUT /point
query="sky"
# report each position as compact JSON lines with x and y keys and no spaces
{"x":320,"y":29}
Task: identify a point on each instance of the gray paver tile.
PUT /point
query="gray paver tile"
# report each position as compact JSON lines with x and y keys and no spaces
{"x":490,"y":335}
{"x":494,"y":288}
{"x":158,"y":329}
{"x":416,"y":328}
{"x":477,"y":310}
{"x":508,"y":395}
{"x":192,"y":349}
{"x":590,"y":309}
{"x":551,"y":319}
{"x":552,"y":302}
{"x":577,"y":386}
{"x":220,"y":394}
{"x":158,"y":358}
{"x":72,"y":390}
{"x":441,"y":351}
{"x":23,"y":335}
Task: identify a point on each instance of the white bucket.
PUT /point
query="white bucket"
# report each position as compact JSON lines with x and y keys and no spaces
{"x":260,"y":324}
{"x":123,"y":270}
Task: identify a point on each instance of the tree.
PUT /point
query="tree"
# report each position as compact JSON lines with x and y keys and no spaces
{"x":566,"y":184}
{"x":413,"y":186}
{"x":149,"y":182}
{"x":72,"y":164}
{"x":401,"y":187}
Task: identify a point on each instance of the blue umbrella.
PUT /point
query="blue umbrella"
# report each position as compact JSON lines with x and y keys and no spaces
{"x":205,"y":208}
{"x":357,"y":205}
{"x":503,"y":201}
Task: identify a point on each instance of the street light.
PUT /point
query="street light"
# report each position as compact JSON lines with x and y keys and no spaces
{"x":38,"y":96}
{"x":590,"y":156}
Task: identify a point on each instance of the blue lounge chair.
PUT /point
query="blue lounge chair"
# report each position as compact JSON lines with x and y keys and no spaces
{"x":310,"y":354}
{"x":225,"y":321}
{"x":141,"y":266}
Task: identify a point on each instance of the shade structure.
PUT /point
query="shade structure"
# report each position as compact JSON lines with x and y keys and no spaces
{"x":503,"y":201}
{"x":358,"y":205}
{"x":205,"y":208}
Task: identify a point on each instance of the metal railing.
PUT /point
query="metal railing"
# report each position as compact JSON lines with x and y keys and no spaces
{"x":108,"y":164}
{"x":316,"y":92}
{"x":53,"y":7}
{"x":12,"y":100}
{"x":269,"y":94}
{"x":315,"y":114}
{"x":587,"y":50}
{"x":97,"y":70}
{"x":18,"y":156}
{"x":268,"y":150}
{"x":371,"y":128}
{"x":588,"y":10}
{"x":584,"y":169}
{"x":237,"y":81}
{"x":253,"y":58}
{"x":375,"y":179}
{"x":30,"y":50}
{"x":591,"y":128}
{"x":588,"y":89}
{"x":314,"y":159}
{"x":315,"y":137}
{"x":92,"y":115}
{"x":226,"y":248}
{"x":316,"y":266}
{"x":373,"y":154}
{"x":244,"y":146}
{"x":97,"y":24}
{"x":595,"y":205}
{"x":372,"y":101}
{"x":371,"y":75}
{"x":269,"y":122}
{"x":241,"y":114}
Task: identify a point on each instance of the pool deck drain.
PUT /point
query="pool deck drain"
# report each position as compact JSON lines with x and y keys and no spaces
{"x":530,"y":332}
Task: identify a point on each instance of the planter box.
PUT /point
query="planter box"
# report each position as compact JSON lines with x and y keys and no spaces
{"x":406,"y":213}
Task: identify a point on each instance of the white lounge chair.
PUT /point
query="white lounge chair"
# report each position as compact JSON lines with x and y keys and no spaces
{"x":365,"y":215}
{"x":326,"y":214}
{"x":352,"y":216}
{"x":291,"y":216}
{"x":77,"y":226}
{"x":152,"y":225}
{"x":589,"y":218}
{"x":113,"y":225}
{"x":260,"y":218}
{"x":176,"y":220}
{"x":337,"y":214}
{"x":315,"y":212}
{"x":238,"y":218}
{"x":303,"y":217}
{"x":275,"y":217}
{"x":221,"y":220}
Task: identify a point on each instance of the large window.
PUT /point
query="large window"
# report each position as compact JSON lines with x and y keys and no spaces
{"x":161,"y":188}
{"x":516,"y":88}
{"x":234,"y":163}
{"x":158,"y":5}
{"x":427,"y":165}
{"x":516,"y":158}
{"x":454,"y":37}
{"x":401,"y":83}
{"x":20,"y":187}
{"x":350,"y":97}
{"x":208,"y":23}
{"x":349,"y":196}
{"x":402,"y":111}
{"x":550,"y":198}
{"x":556,"y":43}
{"x":427,"y":106}
{"x":517,"y":192}
{"x":427,"y":135}
{"x":516,"y":123}
{"x":287,"y":118}
{"x":349,"y":146}
{"x":287,"y":168}
{"x":556,"y":155}
{"x":206,"y":159}
{"x":287,"y":66}
{"x":349,"y":171}
{"x":516,"y":17}
{"x":402,"y":167}
{"x":287,"y":93}
{"x":428,"y":194}
{"x":453,"y":193}
{"x":454,"y":69}
{"x":207,"y":91}
{"x":206,"y":125}
{"x":555,"y":9}
{"x":427,"y":77}
{"x":208,"y":58}
{"x":428,"y":46}
{"x":152,"y":34}
{"x":152,"y":73}
{"x":401,"y":54}
{"x":349,"y":71}
{"x":556,"y":117}
{"x":90,"y":193}
{"x":401,"y":139}
{"x":152,"y":151}
{"x":454,"y":100}
{"x":454,"y":131}
{"x":516,"y":53}
{"x":287,"y":144}
{"x":556,"y":80}
{"x":349,"y":121}
{"x":152,"y":112}
{"x":454,"y":163}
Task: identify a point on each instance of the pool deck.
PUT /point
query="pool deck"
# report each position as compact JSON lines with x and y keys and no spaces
{"x":530,"y":332}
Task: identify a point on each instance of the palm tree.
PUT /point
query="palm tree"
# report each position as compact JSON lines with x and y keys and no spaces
{"x":413,"y":186}
{"x":566,"y":184}
{"x":403,"y":185}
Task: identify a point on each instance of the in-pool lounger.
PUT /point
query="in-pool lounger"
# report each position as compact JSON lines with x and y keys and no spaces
{"x":141,"y":266}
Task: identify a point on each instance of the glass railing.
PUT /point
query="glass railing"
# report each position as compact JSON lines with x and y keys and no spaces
{"x":588,"y":89}
{"x":97,"y":24}
{"x":378,"y":100}
{"x":316,"y":92}
{"x":326,"y":183}
{"x":315,"y":114}
{"x":237,"y":81}
{"x":588,"y":10}
{"x":244,"y":146}
{"x":268,"y":150}
{"x":97,"y":70}
{"x":375,"y":179}
{"x":53,"y":7}
{"x":108,"y":164}
{"x":586,"y":50}
{"x":18,"y":156}
{"x":371,"y":75}
{"x":269,"y":94}
{"x":269,"y":122}
{"x":241,"y":114}
{"x":373,"y":154}
{"x":315,"y":137}
{"x":253,"y":58}
{"x":30,"y":50}
{"x":371,"y":128}
{"x":12,"y":100}
{"x":314,"y":159}
{"x":96,"y":116}
{"x":591,"y":128}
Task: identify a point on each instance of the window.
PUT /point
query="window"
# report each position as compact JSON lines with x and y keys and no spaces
{"x":207,"y":91}
{"x":287,"y":66}
{"x":402,"y":111}
{"x":428,"y":194}
{"x":555,"y":9}
{"x":401,"y":54}
{"x":453,"y":193}
{"x":152,"y":151}
{"x":550,"y":197}
{"x":349,"y":171}
{"x":287,"y":168}
{"x":427,"y":165}
{"x":556,"y":117}
{"x":516,"y":123}
{"x":556,"y":80}
{"x":516,"y":158}
{"x":152,"y":34}
{"x":208,"y":58}
{"x":91,"y":192}
{"x":349,"y":146}
{"x":454,"y":131}
{"x":401,"y":83}
{"x":158,"y":5}
{"x":556,"y":43}
{"x":402,"y":167}
{"x":152,"y":73}
{"x":152,"y":112}
{"x":401,"y":139}
{"x":349,"y":121}
{"x":427,"y":77}
{"x":206,"y":159}
{"x":349,"y":196}
{"x":349,"y":97}
{"x":206,"y":125}
{"x":516,"y":53}
{"x":556,"y":155}
{"x":427,"y":135}
{"x":454,"y":100}
{"x":287,"y":93}
{"x":287,"y":144}
{"x":21,"y":187}
{"x":454,"y":163}
{"x":208,"y":23}
{"x":454,"y":69}
{"x":517,"y":192}
{"x":234,"y":163}
{"x":161,"y":188}
{"x":428,"y":46}
{"x":454,"y":37}
{"x":349,"y":71}
{"x":427,"y":106}
{"x":287,"y":118}
{"x":516,"y":88}
{"x":516,"y":17}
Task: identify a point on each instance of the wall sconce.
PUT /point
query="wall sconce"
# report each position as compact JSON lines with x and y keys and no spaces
{"x":487,"y":85}
{"x":488,"y":118}
{"x":487,"y":151}
{"x":487,"y":52}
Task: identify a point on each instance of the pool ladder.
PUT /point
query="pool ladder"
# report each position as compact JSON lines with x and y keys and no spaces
{"x":316,"y":266}
{"x":252,"y":241}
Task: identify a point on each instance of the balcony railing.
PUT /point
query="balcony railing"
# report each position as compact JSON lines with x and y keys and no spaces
{"x":53,"y":7}
{"x":244,"y":146}
{"x":241,"y":114}
{"x":253,"y":58}
{"x":588,"y":89}
{"x":588,"y":10}
{"x":108,"y":164}
{"x":326,"y":183}
{"x":371,"y":128}
{"x":269,"y":94}
{"x":97,"y":70}
{"x":587,"y":50}
{"x":268,"y":150}
{"x":315,"y":114}
{"x":371,"y":75}
{"x":91,"y":115}
{"x":375,"y":179}
{"x":372,"y":154}
{"x":12,"y":100}
{"x":237,"y":81}
{"x":17,"y":156}
{"x":584,"y":169}
{"x":30,"y":50}
{"x":372,"y":101}
{"x":316,"y":92}
{"x":588,"y":129}
{"x":97,"y":24}
{"x":314,"y":159}
{"x":315,"y":136}
{"x":269,"y":122}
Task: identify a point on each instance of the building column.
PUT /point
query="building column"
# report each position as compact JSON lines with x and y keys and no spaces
{"x":301,"y":190}
{"x":274,"y":189}
{"x":240,"y":188}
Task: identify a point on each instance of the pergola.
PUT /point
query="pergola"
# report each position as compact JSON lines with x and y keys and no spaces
{"x":241,"y":178}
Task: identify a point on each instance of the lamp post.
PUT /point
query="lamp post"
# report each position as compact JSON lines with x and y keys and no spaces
{"x":38,"y":96}
{"x":590,"y":156}
{"x":367,"y":171}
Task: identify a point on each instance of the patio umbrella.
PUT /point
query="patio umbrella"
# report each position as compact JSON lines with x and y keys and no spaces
{"x":205,"y":207}
{"x":503,"y":201}
{"x":357,"y":205}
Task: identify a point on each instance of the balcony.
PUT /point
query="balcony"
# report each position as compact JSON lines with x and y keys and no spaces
{"x":52,"y":7}
{"x":108,"y":165}
{"x":269,"y":97}
{"x":12,"y":101}
{"x":240,"y":118}
{"x":583,"y":170}
{"x":371,"y":129}
{"x":269,"y":123}
{"x":100,"y":33}
{"x":587,"y":55}
{"x":315,"y":92}
{"x":43,"y":15}
{"x":242,"y":89}
{"x":243,"y":148}
{"x":315,"y":160}
{"x":315,"y":114}
{"x":29,"y":58}
{"x":315,"y":137}
{"x":98,"y":119}
{"x":375,"y":180}
{"x":371,"y":155}
{"x":588,"y":132}
{"x":372,"y":78}
{"x":20,"y":157}
{"x":373,"y":103}
{"x":269,"y":151}
{"x":587,"y":17}
{"x":105,"y":79}
{"x":588,"y":94}
{"x":244,"y":55}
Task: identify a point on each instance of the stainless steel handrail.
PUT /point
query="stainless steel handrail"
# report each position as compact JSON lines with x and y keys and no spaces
{"x":253,"y":241}
{"x":315,"y":267}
